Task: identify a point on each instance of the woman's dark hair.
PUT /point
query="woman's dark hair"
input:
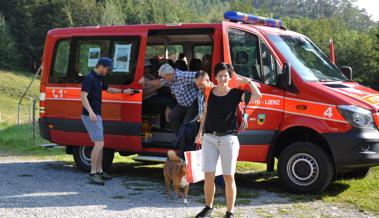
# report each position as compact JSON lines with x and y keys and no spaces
{"x":222,"y":66}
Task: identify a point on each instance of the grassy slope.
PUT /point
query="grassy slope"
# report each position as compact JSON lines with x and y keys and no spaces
{"x":12,"y":86}
{"x":17,"y":140}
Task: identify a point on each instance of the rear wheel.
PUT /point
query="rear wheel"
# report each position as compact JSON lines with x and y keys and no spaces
{"x":82,"y":157}
{"x":304,"y":167}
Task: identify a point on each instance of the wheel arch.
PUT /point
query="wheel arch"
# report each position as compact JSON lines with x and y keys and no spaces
{"x":286,"y":137}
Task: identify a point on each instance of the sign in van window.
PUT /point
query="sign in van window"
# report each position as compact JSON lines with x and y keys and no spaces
{"x":93,"y":56}
{"x":121,"y":58}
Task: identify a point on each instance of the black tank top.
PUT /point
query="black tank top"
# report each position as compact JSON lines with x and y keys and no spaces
{"x":221,"y":112}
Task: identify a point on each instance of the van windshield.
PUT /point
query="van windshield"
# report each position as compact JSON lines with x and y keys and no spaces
{"x":308,"y":60}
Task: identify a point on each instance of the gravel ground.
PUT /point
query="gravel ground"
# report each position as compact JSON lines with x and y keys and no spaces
{"x":36,"y":188}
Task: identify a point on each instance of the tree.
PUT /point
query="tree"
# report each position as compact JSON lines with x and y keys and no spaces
{"x":9,"y":56}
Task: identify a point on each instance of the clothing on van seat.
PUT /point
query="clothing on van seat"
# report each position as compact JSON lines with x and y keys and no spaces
{"x":184,"y":88}
{"x":93,"y":85}
{"x":221,"y":112}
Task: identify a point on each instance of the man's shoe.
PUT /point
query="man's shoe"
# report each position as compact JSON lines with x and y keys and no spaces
{"x":96,"y":179}
{"x":206,"y":212}
{"x":229,"y":215}
{"x":105,"y":176}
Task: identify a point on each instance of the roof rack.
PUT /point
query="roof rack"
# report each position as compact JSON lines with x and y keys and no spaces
{"x":236,"y":16}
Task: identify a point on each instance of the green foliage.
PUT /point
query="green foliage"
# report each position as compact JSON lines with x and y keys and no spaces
{"x":8,"y":52}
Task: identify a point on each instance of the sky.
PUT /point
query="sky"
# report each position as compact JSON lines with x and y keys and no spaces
{"x":371,"y":6}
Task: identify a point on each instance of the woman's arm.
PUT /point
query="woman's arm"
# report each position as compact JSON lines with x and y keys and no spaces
{"x":253,"y":89}
{"x":256,"y":94}
{"x":199,"y":137}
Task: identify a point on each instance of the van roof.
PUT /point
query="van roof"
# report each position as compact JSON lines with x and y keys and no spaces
{"x":134,"y":27}
{"x":142,"y":27}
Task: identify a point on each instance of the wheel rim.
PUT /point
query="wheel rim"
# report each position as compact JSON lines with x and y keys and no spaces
{"x":302,"y":169}
{"x":85,"y":155}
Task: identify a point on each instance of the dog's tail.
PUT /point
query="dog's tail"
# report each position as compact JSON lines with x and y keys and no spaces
{"x":172,"y":155}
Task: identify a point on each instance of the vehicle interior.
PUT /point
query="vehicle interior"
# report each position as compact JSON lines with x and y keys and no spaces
{"x":184,"y":49}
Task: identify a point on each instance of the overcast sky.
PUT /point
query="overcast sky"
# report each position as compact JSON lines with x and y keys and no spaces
{"x":371,"y":6}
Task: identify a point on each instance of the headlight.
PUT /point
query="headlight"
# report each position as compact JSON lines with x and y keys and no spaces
{"x":357,"y":116}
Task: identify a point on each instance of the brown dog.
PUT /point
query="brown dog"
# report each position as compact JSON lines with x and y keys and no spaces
{"x":175,"y":170}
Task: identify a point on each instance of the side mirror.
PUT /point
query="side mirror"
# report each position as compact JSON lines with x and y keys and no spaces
{"x":285,"y":79}
{"x":347,"y":71}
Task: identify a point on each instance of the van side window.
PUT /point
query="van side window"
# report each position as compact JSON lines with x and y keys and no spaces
{"x":123,"y":51}
{"x":244,"y":52}
{"x":269,"y":66}
{"x":200,"y":51}
{"x":153,"y":51}
{"x":61,"y":61}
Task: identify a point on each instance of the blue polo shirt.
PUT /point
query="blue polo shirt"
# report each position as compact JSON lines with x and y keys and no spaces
{"x":93,"y":85}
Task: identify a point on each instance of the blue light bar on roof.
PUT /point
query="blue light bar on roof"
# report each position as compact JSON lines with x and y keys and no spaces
{"x":252,"y":19}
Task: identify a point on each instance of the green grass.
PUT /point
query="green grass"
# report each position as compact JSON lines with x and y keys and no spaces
{"x":363,"y":193}
{"x":18,"y":140}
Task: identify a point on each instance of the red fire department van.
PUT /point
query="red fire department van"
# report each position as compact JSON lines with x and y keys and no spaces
{"x":312,"y":117}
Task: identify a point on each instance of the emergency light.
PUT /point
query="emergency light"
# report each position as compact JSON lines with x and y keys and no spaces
{"x":236,"y":16}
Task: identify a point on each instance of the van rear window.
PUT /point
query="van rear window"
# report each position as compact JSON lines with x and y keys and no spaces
{"x":75,"y":58}
{"x":61,"y":60}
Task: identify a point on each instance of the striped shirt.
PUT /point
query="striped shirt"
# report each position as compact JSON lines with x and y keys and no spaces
{"x":184,"y":88}
{"x":201,"y":102}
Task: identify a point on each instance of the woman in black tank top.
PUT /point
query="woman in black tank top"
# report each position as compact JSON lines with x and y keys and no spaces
{"x":220,"y":135}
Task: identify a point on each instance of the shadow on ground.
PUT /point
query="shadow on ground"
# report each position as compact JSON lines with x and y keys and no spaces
{"x":60,"y":184}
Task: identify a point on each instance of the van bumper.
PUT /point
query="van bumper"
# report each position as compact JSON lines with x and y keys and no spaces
{"x":44,"y":131}
{"x":357,"y":148}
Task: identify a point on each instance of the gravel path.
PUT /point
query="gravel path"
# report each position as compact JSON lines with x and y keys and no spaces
{"x":36,"y":188}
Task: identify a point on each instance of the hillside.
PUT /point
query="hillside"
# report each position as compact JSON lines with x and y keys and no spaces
{"x":12,"y":86}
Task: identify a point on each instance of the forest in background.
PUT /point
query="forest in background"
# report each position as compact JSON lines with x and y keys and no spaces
{"x":24,"y":24}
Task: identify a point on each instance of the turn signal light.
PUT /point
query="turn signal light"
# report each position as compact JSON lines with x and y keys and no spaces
{"x":376,"y":119}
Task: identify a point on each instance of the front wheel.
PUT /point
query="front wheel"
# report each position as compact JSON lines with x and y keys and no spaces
{"x":304,"y":167}
{"x":82,"y":157}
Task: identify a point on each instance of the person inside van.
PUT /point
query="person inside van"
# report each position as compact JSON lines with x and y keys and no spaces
{"x":207,"y":63}
{"x":91,"y":95}
{"x":183,"y":87}
{"x":181,"y":63}
{"x":219,"y":124}
{"x":195,"y":65}
{"x":156,"y":100}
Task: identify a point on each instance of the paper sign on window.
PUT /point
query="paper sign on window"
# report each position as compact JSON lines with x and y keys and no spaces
{"x":121,"y":58}
{"x":93,"y":56}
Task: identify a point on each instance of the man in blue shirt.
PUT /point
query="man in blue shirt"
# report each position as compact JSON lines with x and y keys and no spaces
{"x":91,"y":95}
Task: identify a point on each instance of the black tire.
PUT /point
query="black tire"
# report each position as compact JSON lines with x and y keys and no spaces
{"x":356,"y":174}
{"x":82,"y":157}
{"x":304,"y":167}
